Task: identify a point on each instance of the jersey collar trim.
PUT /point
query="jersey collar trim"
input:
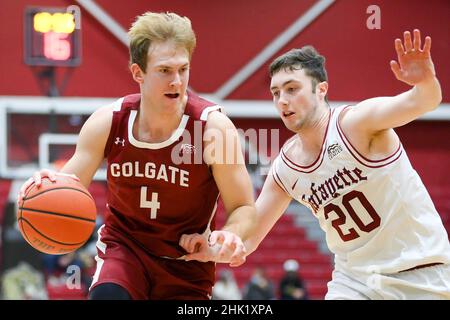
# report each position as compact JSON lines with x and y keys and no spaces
{"x":146,"y":145}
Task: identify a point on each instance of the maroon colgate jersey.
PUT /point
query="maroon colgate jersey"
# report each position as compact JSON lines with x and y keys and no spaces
{"x":159,"y":191}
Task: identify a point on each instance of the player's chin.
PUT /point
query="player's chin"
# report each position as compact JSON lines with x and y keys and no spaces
{"x":290,"y":125}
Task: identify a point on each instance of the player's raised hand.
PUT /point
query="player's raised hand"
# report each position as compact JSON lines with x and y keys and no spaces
{"x":37,"y":180}
{"x":414,"y":63}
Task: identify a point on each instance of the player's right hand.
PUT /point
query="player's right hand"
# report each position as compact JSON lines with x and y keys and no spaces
{"x":37,"y":180}
{"x":222,"y":247}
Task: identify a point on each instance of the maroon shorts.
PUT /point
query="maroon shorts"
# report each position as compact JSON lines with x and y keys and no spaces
{"x":123,"y":262}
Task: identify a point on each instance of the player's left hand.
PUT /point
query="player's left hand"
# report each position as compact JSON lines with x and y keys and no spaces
{"x":222,"y":246}
{"x":414,"y":63}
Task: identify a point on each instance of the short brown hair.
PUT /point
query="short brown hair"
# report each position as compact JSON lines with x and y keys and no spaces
{"x":159,"y":27}
{"x":306,"y":58}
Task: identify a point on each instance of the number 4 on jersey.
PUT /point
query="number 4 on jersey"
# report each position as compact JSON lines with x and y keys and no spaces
{"x":153,"y":205}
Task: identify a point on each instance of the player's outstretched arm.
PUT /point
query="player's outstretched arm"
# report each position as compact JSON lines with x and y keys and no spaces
{"x":88,"y":153}
{"x":224,"y":155}
{"x":272,"y":202}
{"x":413,"y":67}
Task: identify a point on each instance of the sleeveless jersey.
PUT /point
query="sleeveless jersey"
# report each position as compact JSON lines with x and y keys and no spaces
{"x":153,"y":197}
{"x":377,"y":214}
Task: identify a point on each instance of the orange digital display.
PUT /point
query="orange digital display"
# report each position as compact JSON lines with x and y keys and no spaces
{"x":52,"y":37}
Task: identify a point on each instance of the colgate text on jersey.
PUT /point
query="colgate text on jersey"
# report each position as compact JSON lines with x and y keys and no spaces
{"x":150,"y":170}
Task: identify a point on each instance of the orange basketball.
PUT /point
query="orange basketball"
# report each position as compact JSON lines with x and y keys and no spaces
{"x":58,"y":217}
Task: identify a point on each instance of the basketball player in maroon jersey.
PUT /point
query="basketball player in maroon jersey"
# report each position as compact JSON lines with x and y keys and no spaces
{"x":161,"y":184}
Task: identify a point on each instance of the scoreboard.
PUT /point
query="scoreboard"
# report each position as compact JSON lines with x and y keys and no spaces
{"x":52,"y":36}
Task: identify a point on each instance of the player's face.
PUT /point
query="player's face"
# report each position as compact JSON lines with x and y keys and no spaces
{"x":294,"y":98}
{"x":165,"y":81}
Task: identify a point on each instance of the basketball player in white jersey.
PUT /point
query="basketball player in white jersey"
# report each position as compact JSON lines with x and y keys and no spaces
{"x":349,"y":167}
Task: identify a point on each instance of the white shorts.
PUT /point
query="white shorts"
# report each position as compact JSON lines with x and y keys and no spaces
{"x":430,"y":283}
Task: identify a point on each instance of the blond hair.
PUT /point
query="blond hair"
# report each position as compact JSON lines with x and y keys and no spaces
{"x":159,"y":27}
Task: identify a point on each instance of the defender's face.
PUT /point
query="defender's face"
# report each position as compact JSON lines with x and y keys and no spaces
{"x":166,"y":78}
{"x":293,"y":97}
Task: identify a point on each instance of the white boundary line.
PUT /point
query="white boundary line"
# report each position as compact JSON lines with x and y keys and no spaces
{"x":257,"y":109}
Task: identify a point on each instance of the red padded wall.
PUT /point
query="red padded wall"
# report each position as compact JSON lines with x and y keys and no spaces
{"x":229,"y":34}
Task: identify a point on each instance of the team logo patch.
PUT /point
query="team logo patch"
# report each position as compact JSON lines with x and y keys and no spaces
{"x":187,"y":149}
{"x":334,"y":150}
{"x":121,"y":141}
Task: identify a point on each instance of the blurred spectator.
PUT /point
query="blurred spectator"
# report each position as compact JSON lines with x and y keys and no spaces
{"x":64,"y":273}
{"x":23,"y":282}
{"x":259,"y":287}
{"x":226,"y":287}
{"x":56,"y":265}
{"x":292,"y":286}
{"x":72,"y":271}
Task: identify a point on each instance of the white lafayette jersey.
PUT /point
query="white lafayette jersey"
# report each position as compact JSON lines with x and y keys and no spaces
{"x":377,"y":214}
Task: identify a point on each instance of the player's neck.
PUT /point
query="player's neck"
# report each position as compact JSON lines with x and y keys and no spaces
{"x":154,"y":126}
{"x":312,"y":135}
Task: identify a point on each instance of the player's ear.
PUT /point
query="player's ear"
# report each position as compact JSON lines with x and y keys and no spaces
{"x":137,"y":73}
{"x":322,"y":89}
